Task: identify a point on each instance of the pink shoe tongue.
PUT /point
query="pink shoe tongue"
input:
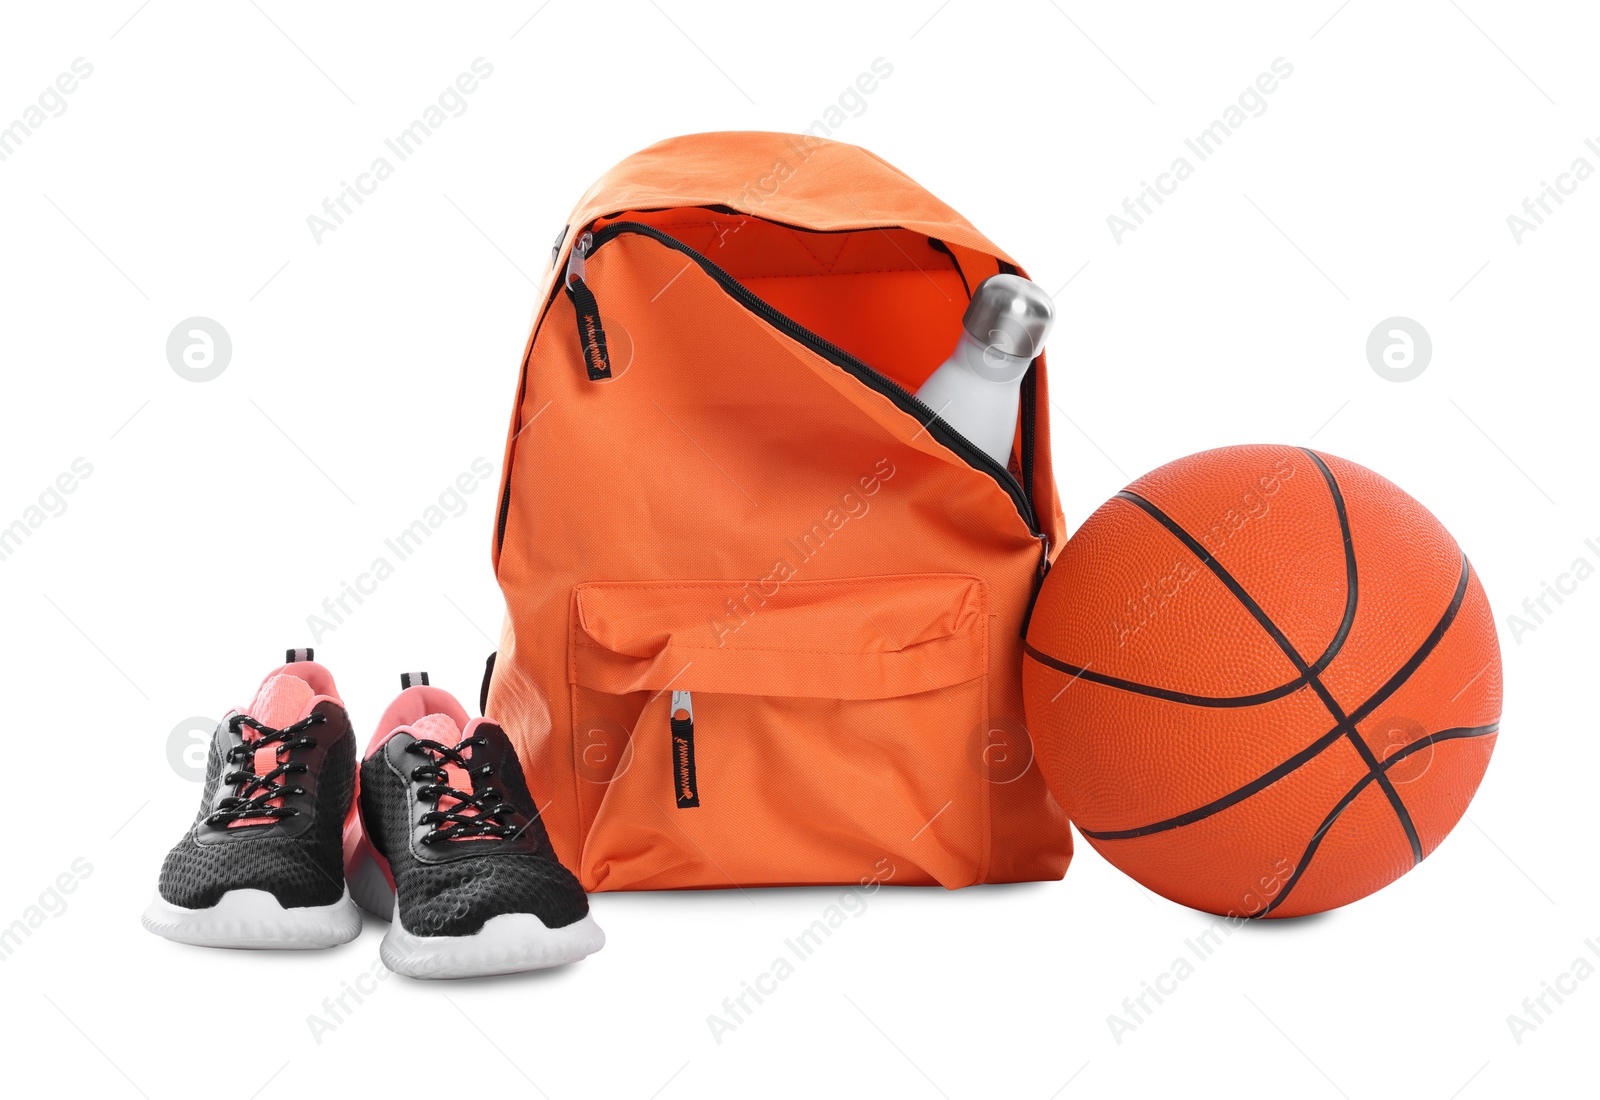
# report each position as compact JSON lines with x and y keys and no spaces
{"x":438,"y":727}
{"x":282,"y":701}
{"x":442,"y":728}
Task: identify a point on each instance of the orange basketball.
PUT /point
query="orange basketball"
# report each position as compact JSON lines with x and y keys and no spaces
{"x":1263,"y":681}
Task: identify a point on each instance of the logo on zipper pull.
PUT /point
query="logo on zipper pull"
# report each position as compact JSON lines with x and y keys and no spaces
{"x":591,"y":334}
{"x":684,"y":787}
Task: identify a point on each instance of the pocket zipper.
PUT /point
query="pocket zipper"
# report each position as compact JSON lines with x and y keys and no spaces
{"x":591,"y":333}
{"x":685,"y":788}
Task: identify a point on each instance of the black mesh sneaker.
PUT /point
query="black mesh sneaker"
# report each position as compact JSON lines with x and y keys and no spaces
{"x":262,"y":865}
{"x":466,"y":867}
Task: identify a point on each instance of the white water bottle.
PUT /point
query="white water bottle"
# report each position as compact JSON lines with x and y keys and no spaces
{"x":978,"y":388}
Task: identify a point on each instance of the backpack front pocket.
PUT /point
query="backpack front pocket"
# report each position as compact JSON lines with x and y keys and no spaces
{"x":780,"y":731}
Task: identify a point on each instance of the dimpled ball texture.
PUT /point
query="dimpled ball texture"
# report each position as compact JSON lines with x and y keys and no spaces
{"x":1263,"y":681}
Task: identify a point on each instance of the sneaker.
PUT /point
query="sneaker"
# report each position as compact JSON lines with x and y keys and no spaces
{"x":262,"y":865}
{"x":474,"y":886}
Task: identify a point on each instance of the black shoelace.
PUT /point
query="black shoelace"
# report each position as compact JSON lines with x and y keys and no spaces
{"x":253,"y":794}
{"x":476,"y":812}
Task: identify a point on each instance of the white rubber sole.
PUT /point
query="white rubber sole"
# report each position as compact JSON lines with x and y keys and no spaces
{"x":253,"y":919}
{"x":507,"y":944}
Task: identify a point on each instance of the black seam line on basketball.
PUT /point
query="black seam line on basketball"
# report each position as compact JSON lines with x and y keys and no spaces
{"x":1282,"y":641}
{"x":1392,"y":685}
{"x":1206,"y":559}
{"x":1288,"y":766}
{"x":1304,"y":756}
{"x":1316,"y":841}
{"x":1455,"y":734}
{"x":1257,"y":612}
{"x":1355,"y":792}
{"x":1351,"y":580}
{"x":1259,"y":783}
{"x":1171,"y":696}
{"x":1376,"y":771}
{"x":1317,"y":667}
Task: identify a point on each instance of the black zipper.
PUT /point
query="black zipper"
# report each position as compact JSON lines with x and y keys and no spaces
{"x":902,"y":398}
{"x":939,"y":246}
{"x":505,"y":474}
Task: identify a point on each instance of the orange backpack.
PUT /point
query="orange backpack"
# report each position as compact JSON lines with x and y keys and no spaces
{"x":764,"y":610}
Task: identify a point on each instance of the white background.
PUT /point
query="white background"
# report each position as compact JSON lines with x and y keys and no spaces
{"x":370,"y":369}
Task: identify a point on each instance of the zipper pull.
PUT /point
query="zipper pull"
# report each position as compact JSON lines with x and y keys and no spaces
{"x":579,"y":253}
{"x":591,"y":335}
{"x":1039,"y":575}
{"x":684,"y":787}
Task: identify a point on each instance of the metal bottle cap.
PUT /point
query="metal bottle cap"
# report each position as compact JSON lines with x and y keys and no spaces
{"x":1010,"y":314}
